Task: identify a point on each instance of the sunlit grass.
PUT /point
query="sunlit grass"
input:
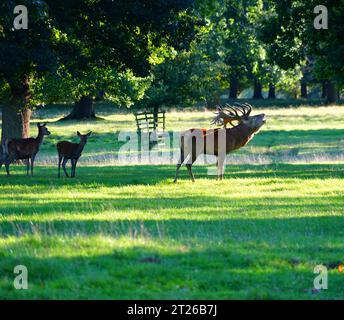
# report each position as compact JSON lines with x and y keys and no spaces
{"x":129,"y":232}
{"x":312,"y":134}
{"x":114,"y":231}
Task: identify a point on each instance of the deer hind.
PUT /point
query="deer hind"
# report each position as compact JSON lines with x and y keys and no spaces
{"x":219,"y":141}
{"x":23,"y":149}
{"x":70,"y":151}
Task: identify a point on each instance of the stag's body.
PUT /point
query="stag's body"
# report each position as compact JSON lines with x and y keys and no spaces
{"x":218,"y":142}
{"x":24,"y":149}
{"x":70,"y":151}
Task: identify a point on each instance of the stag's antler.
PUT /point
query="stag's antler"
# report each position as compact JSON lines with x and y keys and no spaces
{"x":231,"y":113}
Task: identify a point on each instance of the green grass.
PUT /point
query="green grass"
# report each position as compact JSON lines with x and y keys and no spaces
{"x":127,"y":232}
{"x":298,"y":134}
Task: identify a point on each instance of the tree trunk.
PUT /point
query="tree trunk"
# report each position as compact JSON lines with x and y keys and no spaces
{"x":331,"y":92}
{"x":233,"y":89}
{"x":257,"y":93}
{"x":324,"y":89}
{"x":15,"y":122}
{"x":304,"y":93}
{"x":83,"y":109}
{"x":16,"y":113}
{"x":272,"y":91}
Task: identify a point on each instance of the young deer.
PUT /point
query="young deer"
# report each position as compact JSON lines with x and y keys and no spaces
{"x":71,"y":151}
{"x":23,"y":149}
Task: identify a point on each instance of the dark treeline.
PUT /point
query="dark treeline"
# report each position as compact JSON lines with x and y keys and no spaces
{"x":152,"y":54}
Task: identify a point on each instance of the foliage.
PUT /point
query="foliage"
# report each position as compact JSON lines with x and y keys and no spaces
{"x":76,"y":40}
{"x":291,"y":36}
{"x":121,"y":88}
{"x":184,"y":80}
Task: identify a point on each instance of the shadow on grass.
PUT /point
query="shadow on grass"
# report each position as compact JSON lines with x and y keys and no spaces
{"x":112,"y":176}
{"x":209,"y":270}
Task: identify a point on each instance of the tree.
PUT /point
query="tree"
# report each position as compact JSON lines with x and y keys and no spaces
{"x":24,"y":54}
{"x":79,"y":36}
{"x":133,"y":39}
{"x":291,"y":35}
{"x":120,"y":88}
{"x":195,"y":74}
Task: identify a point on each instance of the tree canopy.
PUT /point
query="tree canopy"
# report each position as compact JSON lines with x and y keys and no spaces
{"x":164,"y":53}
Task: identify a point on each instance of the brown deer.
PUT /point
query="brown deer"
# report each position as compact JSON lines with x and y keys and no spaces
{"x":71,"y":151}
{"x":23,"y":149}
{"x":219,"y":141}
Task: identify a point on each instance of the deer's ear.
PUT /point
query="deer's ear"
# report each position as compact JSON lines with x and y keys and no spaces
{"x":44,"y":124}
{"x":38,"y":124}
{"x":78,"y":133}
{"x":89,"y":133}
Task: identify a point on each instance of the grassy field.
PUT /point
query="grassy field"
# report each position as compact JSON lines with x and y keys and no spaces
{"x":125,"y":232}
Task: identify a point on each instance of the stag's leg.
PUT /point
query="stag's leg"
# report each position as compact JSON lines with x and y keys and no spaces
{"x":220,"y":167}
{"x":193,"y":157}
{"x":179,"y":164}
{"x":188,"y":166}
{"x":59,"y":166}
{"x":190,"y":162}
{"x":64,"y":166}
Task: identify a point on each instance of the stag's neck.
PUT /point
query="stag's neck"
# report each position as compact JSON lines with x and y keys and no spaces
{"x":241,"y":134}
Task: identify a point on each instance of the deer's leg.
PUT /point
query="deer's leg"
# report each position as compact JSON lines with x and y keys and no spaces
{"x":179,"y":164}
{"x":27,"y":166}
{"x":220,"y":166}
{"x":189,"y":164}
{"x":74,"y":161}
{"x":193,"y":157}
{"x":32,"y":163}
{"x":2,"y":161}
{"x":64,"y":166}
{"x":8,"y":161}
{"x":59,"y":166}
{"x":217,"y":168}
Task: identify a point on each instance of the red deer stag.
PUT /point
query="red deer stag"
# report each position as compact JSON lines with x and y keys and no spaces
{"x":23,"y":149}
{"x":71,"y":151}
{"x":219,"y":141}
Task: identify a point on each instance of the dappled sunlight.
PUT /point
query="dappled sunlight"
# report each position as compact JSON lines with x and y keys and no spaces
{"x":138,"y":264}
{"x":290,"y":135}
{"x":278,"y":213}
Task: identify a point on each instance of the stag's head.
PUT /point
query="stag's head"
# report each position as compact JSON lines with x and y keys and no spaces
{"x":239,"y":113}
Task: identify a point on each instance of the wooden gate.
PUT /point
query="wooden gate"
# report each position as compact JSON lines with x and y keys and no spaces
{"x":151,"y":123}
